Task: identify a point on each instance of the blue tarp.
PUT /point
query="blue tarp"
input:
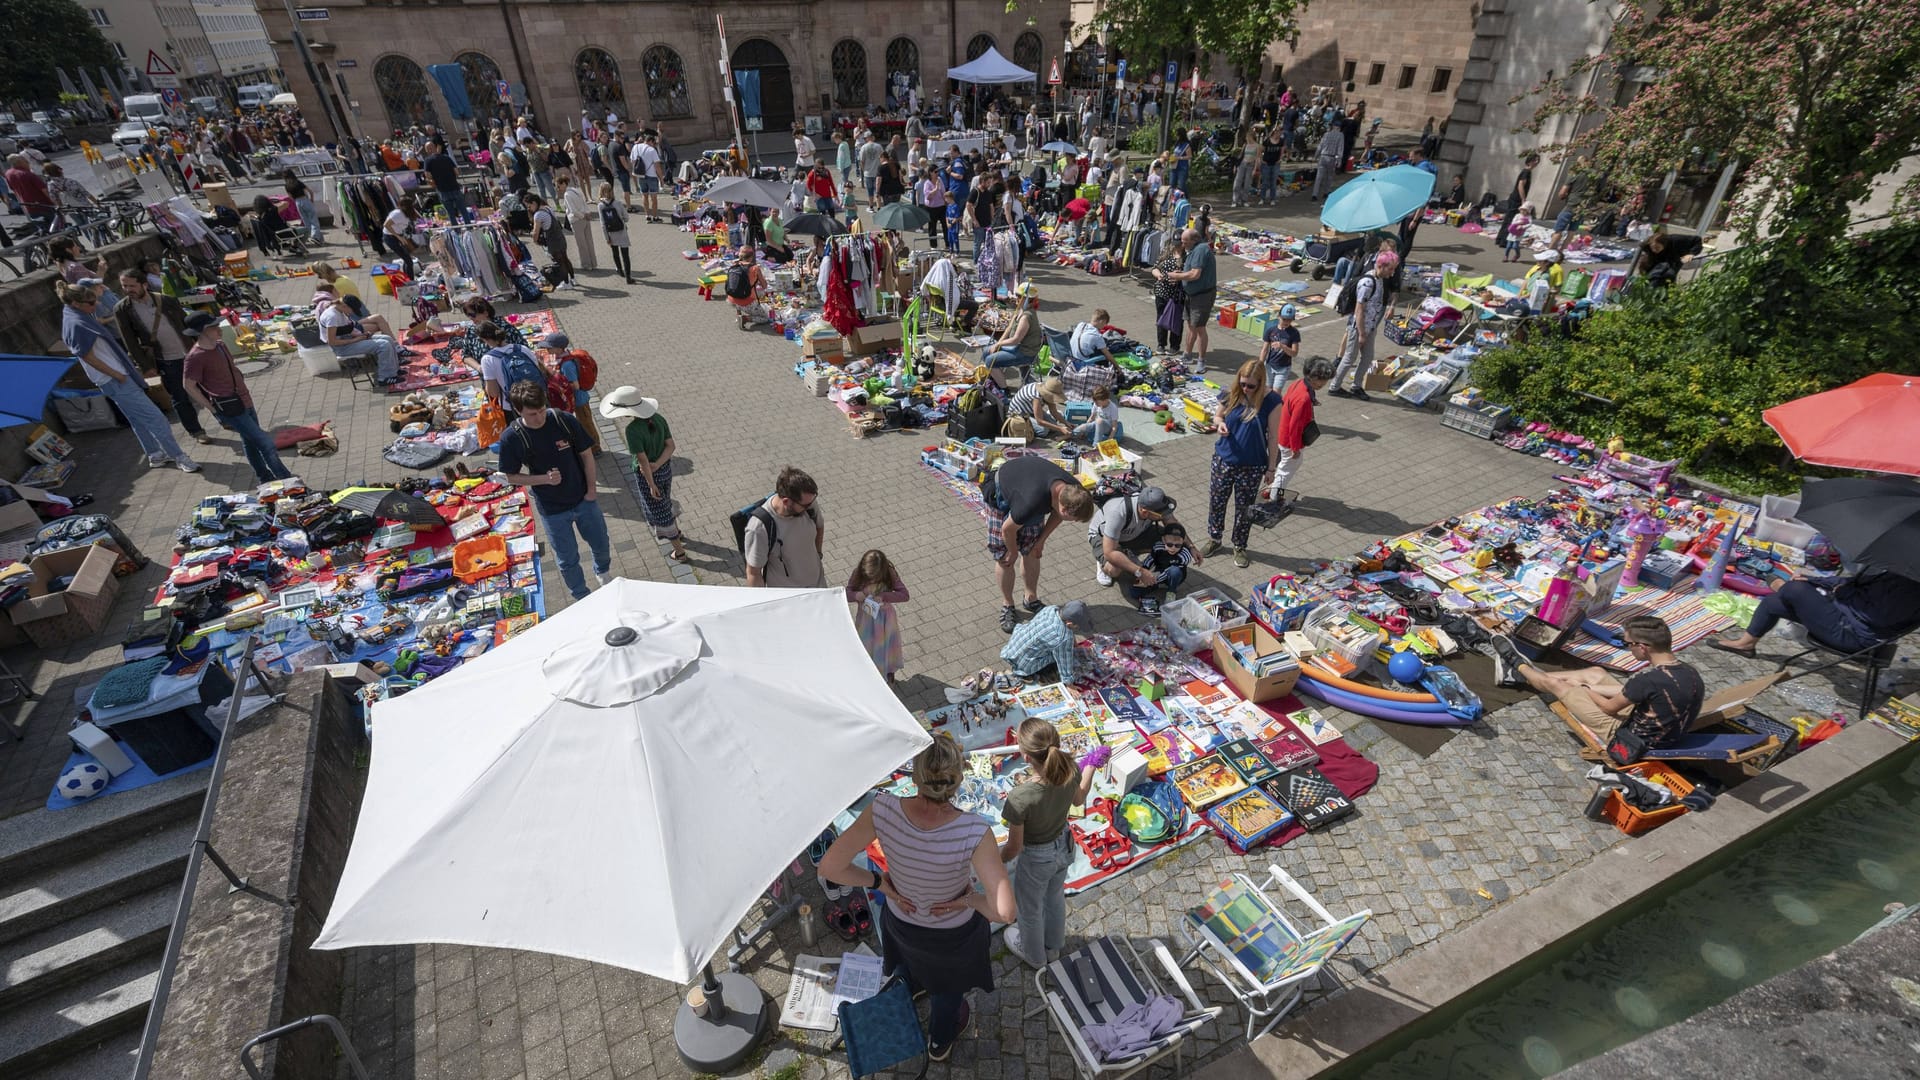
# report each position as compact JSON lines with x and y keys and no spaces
{"x":25,"y":382}
{"x":453,"y":84}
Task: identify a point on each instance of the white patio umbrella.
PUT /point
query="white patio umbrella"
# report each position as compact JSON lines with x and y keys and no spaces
{"x":620,"y":784}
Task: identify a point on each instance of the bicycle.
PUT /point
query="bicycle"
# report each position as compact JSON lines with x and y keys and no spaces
{"x":31,"y":254}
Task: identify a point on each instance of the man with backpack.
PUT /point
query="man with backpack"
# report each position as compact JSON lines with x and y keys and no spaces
{"x":782,"y":540}
{"x":1027,"y":498}
{"x":1364,"y":303}
{"x":548,"y":452}
{"x":504,"y":365}
{"x":1123,"y":531}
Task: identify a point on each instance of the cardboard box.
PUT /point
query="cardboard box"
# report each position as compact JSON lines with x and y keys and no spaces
{"x":51,"y":619}
{"x":1265,"y":688}
{"x":1379,"y":380}
{"x":217,"y":195}
{"x":823,"y":345}
{"x":874,"y":338}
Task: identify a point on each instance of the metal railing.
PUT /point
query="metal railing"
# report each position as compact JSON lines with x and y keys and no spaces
{"x":284,"y":1030}
{"x":203,"y":845}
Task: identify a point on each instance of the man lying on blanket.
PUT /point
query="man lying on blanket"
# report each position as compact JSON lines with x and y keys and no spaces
{"x":1659,"y":703}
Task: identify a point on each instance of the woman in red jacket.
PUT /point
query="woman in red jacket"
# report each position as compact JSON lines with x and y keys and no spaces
{"x":1297,"y":429}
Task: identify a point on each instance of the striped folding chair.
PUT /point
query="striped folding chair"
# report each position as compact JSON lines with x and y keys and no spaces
{"x":1096,"y":983}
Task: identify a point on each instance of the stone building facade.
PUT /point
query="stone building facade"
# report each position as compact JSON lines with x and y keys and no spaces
{"x":1404,"y":58}
{"x":651,"y":61}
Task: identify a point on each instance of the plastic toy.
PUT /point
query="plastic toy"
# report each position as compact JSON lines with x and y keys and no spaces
{"x":1406,"y":668}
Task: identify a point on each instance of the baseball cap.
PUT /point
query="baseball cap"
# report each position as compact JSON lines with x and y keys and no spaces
{"x":558,"y":342}
{"x":198,"y":322}
{"x":1288,"y":311}
{"x":1156,"y":500}
{"x":1075,"y":614}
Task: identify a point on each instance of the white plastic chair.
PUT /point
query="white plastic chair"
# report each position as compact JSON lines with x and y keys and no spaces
{"x":1264,"y":959}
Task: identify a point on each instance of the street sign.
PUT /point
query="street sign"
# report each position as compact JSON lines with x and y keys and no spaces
{"x":170,"y":96}
{"x":160,"y":73}
{"x":346,"y":64}
{"x":1173,"y":71}
{"x":311,"y":14}
{"x":1053,"y":73}
{"x":1120,"y":73}
{"x":756,"y":123}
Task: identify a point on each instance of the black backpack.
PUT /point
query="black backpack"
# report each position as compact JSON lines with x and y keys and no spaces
{"x":757,"y":511}
{"x":1350,"y":296}
{"x":739,"y":282}
{"x":610,"y":218}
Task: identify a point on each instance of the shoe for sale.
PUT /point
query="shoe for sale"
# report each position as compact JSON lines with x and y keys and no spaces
{"x":1007,"y":619}
{"x":1240,"y":558}
{"x":1209,"y":547}
{"x":1100,"y":575}
{"x":1149,"y":605}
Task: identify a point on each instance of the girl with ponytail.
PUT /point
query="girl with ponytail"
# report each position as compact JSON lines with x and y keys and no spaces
{"x":1036,"y":817}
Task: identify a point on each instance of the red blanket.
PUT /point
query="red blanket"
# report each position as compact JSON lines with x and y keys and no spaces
{"x":1345,"y":767}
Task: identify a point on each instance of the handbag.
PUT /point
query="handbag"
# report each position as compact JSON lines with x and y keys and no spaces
{"x":228,"y":405}
{"x":1309,"y":434}
{"x":1625,"y":747}
{"x":491,"y":424}
{"x":1171,"y":315}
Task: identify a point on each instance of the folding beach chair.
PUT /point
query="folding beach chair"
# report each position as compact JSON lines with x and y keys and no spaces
{"x":1095,"y":983}
{"x":1752,"y":752}
{"x":1261,"y":956}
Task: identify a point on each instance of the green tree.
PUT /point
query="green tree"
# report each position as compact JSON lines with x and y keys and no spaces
{"x":38,"y":35}
{"x":1815,"y":99}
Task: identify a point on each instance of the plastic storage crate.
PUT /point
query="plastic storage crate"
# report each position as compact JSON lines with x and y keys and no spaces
{"x":1481,"y":421}
{"x":1634,"y":822}
{"x":1778,"y":524}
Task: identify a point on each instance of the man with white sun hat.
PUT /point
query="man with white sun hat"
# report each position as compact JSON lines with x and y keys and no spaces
{"x":650,"y":441}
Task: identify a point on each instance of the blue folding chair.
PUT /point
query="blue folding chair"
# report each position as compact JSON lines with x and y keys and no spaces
{"x":883,"y":1031}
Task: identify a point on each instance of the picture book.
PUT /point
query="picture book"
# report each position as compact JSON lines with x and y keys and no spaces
{"x":1310,"y":795}
{"x":1156,"y":718}
{"x":1204,"y":694}
{"x":1248,"y":761}
{"x":1077,"y":736}
{"x":1049,"y":702}
{"x":1244,"y":721}
{"x":1206,"y":780}
{"x":1123,"y":708}
{"x":1288,"y":750}
{"x":1168,"y":751}
{"x":1249,"y":817}
{"x":1313,"y":725}
{"x":1199,"y":731}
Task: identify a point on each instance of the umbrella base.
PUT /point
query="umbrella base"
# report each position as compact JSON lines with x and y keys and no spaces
{"x":711,"y":1046}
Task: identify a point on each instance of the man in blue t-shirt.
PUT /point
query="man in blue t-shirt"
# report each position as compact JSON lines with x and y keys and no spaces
{"x":1280,"y":345}
{"x":549,"y":453}
{"x":1196,"y":278}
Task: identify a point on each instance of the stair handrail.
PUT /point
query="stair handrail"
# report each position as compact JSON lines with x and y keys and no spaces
{"x":284,"y":1030}
{"x":202,"y":845}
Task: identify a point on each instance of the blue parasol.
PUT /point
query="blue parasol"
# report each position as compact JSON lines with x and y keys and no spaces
{"x":25,"y":382}
{"x":1377,"y":199}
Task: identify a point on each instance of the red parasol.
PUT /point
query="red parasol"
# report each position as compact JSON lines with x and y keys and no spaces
{"x":1865,"y":425}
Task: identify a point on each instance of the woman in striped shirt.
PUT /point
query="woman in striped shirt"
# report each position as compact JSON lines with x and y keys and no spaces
{"x":935,"y":925}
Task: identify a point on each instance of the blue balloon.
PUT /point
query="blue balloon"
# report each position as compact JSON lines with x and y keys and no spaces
{"x":1406,"y":667}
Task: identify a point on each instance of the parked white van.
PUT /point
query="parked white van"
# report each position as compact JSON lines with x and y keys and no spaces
{"x":147,"y":108}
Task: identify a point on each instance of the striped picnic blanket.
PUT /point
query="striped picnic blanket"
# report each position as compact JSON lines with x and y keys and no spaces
{"x":1689,"y":620}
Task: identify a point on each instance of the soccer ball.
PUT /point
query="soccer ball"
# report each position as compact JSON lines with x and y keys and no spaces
{"x":83,"y":781}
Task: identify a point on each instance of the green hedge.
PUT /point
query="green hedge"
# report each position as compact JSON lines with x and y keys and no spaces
{"x":1688,"y":375}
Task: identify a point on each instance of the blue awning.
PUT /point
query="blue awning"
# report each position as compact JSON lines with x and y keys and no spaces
{"x":25,"y":382}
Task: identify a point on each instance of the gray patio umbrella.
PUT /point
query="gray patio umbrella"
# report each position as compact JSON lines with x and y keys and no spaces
{"x":748,"y":192}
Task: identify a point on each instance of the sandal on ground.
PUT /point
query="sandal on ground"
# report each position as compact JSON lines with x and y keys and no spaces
{"x":1007,"y":619}
{"x":1747,"y":652}
{"x":862,"y":915}
{"x":678,"y":556}
{"x":818,"y":849}
{"x":1035,"y":604}
{"x":841,"y":922}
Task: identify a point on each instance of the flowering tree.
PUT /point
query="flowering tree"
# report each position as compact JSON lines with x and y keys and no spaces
{"x":1816,"y":98}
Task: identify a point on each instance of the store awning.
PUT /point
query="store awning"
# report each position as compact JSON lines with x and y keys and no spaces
{"x":991,"y":68}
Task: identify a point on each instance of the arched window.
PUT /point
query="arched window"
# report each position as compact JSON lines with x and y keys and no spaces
{"x":849,"y":74}
{"x":903,"y":70}
{"x":1084,"y":64}
{"x":979,"y":45}
{"x":667,"y":95}
{"x":1026,"y":51}
{"x":403,"y":92}
{"x":482,"y":78}
{"x":599,"y":81}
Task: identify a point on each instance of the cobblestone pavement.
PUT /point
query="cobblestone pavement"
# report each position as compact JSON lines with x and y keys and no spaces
{"x":1496,"y":809}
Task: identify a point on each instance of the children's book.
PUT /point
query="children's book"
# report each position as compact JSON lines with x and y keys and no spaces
{"x":1244,"y":721}
{"x":1168,"y":750}
{"x":1127,"y":709}
{"x":1249,"y":817}
{"x":1313,"y":725}
{"x":1204,"y":694}
{"x":1248,"y":761}
{"x":1206,"y":780}
{"x":1077,"y":736}
{"x":1310,"y":795}
{"x":1200,"y":731}
{"x":1049,"y":702}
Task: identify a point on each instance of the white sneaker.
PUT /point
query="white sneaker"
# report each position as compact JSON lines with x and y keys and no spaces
{"x":158,"y":460}
{"x":1012,"y":937}
{"x":186,"y":464}
{"x":599,"y":579}
{"x":1100,"y":575}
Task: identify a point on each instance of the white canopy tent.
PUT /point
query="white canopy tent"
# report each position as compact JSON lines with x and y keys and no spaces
{"x":621,"y":783}
{"x":992,"y":69}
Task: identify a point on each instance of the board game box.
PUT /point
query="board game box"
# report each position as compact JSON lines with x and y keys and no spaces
{"x":1310,"y":795}
{"x":1206,"y":780}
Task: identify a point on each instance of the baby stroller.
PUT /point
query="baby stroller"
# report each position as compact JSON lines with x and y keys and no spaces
{"x":1323,"y":252}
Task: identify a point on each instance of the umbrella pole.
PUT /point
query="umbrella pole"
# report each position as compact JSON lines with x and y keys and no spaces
{"x":713,"y":1038}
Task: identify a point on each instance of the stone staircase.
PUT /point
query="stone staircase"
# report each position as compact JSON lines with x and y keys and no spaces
{"x":86,"y":898}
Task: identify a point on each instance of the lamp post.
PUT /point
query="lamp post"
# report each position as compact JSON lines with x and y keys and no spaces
{"x":1103,"y":33}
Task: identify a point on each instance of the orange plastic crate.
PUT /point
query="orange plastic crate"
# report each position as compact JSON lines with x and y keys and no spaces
{"x":1634,"y":822}
{"x":479,"y":558}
